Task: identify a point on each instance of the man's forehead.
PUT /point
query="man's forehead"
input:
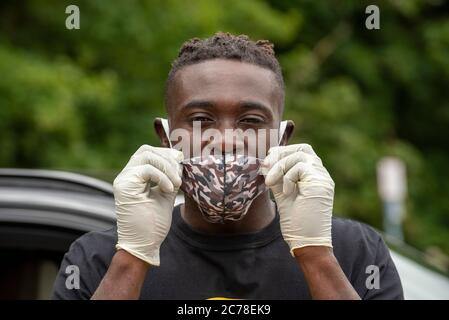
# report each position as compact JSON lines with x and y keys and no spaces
{"x":229,"y":79}
{"x":221,"y":69}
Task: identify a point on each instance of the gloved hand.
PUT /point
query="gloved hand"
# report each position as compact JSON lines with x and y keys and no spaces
{"x":145,"y":193}
{"x":304,"y":193}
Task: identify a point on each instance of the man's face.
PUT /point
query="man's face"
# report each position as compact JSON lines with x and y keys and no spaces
{"x":224,"y":94}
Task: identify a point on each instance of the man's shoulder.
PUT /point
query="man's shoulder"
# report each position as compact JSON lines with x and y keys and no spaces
{"x":91,"y":253}
{"x":356,"y":236}
{"x":358,"y":247}
{"x":96,"y":243}
{"x":107,"y":235}
{"x":349,"y":227}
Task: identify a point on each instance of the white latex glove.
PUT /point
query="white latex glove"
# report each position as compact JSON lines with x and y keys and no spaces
{"x":304,"y":194}
{"x":145,"y":193}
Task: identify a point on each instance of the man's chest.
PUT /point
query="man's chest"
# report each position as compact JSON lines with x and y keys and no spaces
{"x":247,"y":274}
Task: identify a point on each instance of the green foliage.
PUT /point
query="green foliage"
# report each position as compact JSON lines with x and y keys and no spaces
{"x":86,"y":99}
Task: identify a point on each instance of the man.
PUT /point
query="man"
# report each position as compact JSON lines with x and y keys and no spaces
{"x":289,"y":248}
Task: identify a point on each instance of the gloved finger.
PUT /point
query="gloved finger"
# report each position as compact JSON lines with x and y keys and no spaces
{"x":277,"y":153}
{"x":148,"y":173}
{"x":168,"y":153}
{"x":168,"y":167}
{"x":280,"y":168}
{"x":143,"y":148}
{"x":322,"y":171}
{"x":171,"y":170}
{"x":294,"y":175}
{"x":271,"y":159}
{"x":171,"y":155}
{"x":142,"y":158}
{"x":307,"y":148}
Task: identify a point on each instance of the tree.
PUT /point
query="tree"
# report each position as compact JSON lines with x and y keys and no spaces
{"x":85,"y":99}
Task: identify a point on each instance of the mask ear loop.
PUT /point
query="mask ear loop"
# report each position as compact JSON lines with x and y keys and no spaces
{"x":167,"y":130}
{"x":282,"y":127}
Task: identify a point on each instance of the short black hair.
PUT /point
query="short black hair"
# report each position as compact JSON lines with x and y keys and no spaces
{"x":224,"y":45}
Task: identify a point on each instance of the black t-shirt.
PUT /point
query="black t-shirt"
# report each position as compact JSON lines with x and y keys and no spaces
{"x":246,"y":266}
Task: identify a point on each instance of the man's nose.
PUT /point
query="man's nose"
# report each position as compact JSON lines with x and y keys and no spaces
{"x":228,"y":139}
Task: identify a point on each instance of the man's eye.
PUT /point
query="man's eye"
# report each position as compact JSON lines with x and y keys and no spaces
{"x":251,"y":120}
{"x":202,"y":119}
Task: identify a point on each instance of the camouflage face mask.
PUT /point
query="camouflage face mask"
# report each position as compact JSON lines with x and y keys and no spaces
{"x":223,"y":186}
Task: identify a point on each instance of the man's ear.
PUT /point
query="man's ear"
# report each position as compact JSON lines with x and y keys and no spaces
{"x":287,"y":133}
{"x":161,"y":133}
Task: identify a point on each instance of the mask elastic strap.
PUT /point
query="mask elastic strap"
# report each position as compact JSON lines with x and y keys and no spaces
{"x":166,"y":129}
{"x":282,"y":127}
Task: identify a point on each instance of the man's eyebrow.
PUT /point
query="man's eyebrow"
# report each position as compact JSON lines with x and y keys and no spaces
{"x":198,"y":104}
{"x":255,"y":105}
{"x":246,"y":104}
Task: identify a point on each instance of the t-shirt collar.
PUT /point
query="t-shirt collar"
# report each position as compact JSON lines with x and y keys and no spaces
{"x":216,"y":242}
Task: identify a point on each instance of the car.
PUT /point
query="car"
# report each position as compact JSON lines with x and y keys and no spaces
{"x":43,"y":211}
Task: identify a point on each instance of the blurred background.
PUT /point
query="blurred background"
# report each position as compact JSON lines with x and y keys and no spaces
{"x":84,"y":100}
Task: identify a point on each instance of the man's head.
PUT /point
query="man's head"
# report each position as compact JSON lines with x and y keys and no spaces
{"x":225,"y":82}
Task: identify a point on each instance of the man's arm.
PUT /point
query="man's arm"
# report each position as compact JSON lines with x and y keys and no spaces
{"x":124,"y":278}
{"x":304,"y":194}
{"x":144,"y":215}
{"x":323,"y":274}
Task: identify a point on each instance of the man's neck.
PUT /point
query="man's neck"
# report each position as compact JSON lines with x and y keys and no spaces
{"x":259,"y":215}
